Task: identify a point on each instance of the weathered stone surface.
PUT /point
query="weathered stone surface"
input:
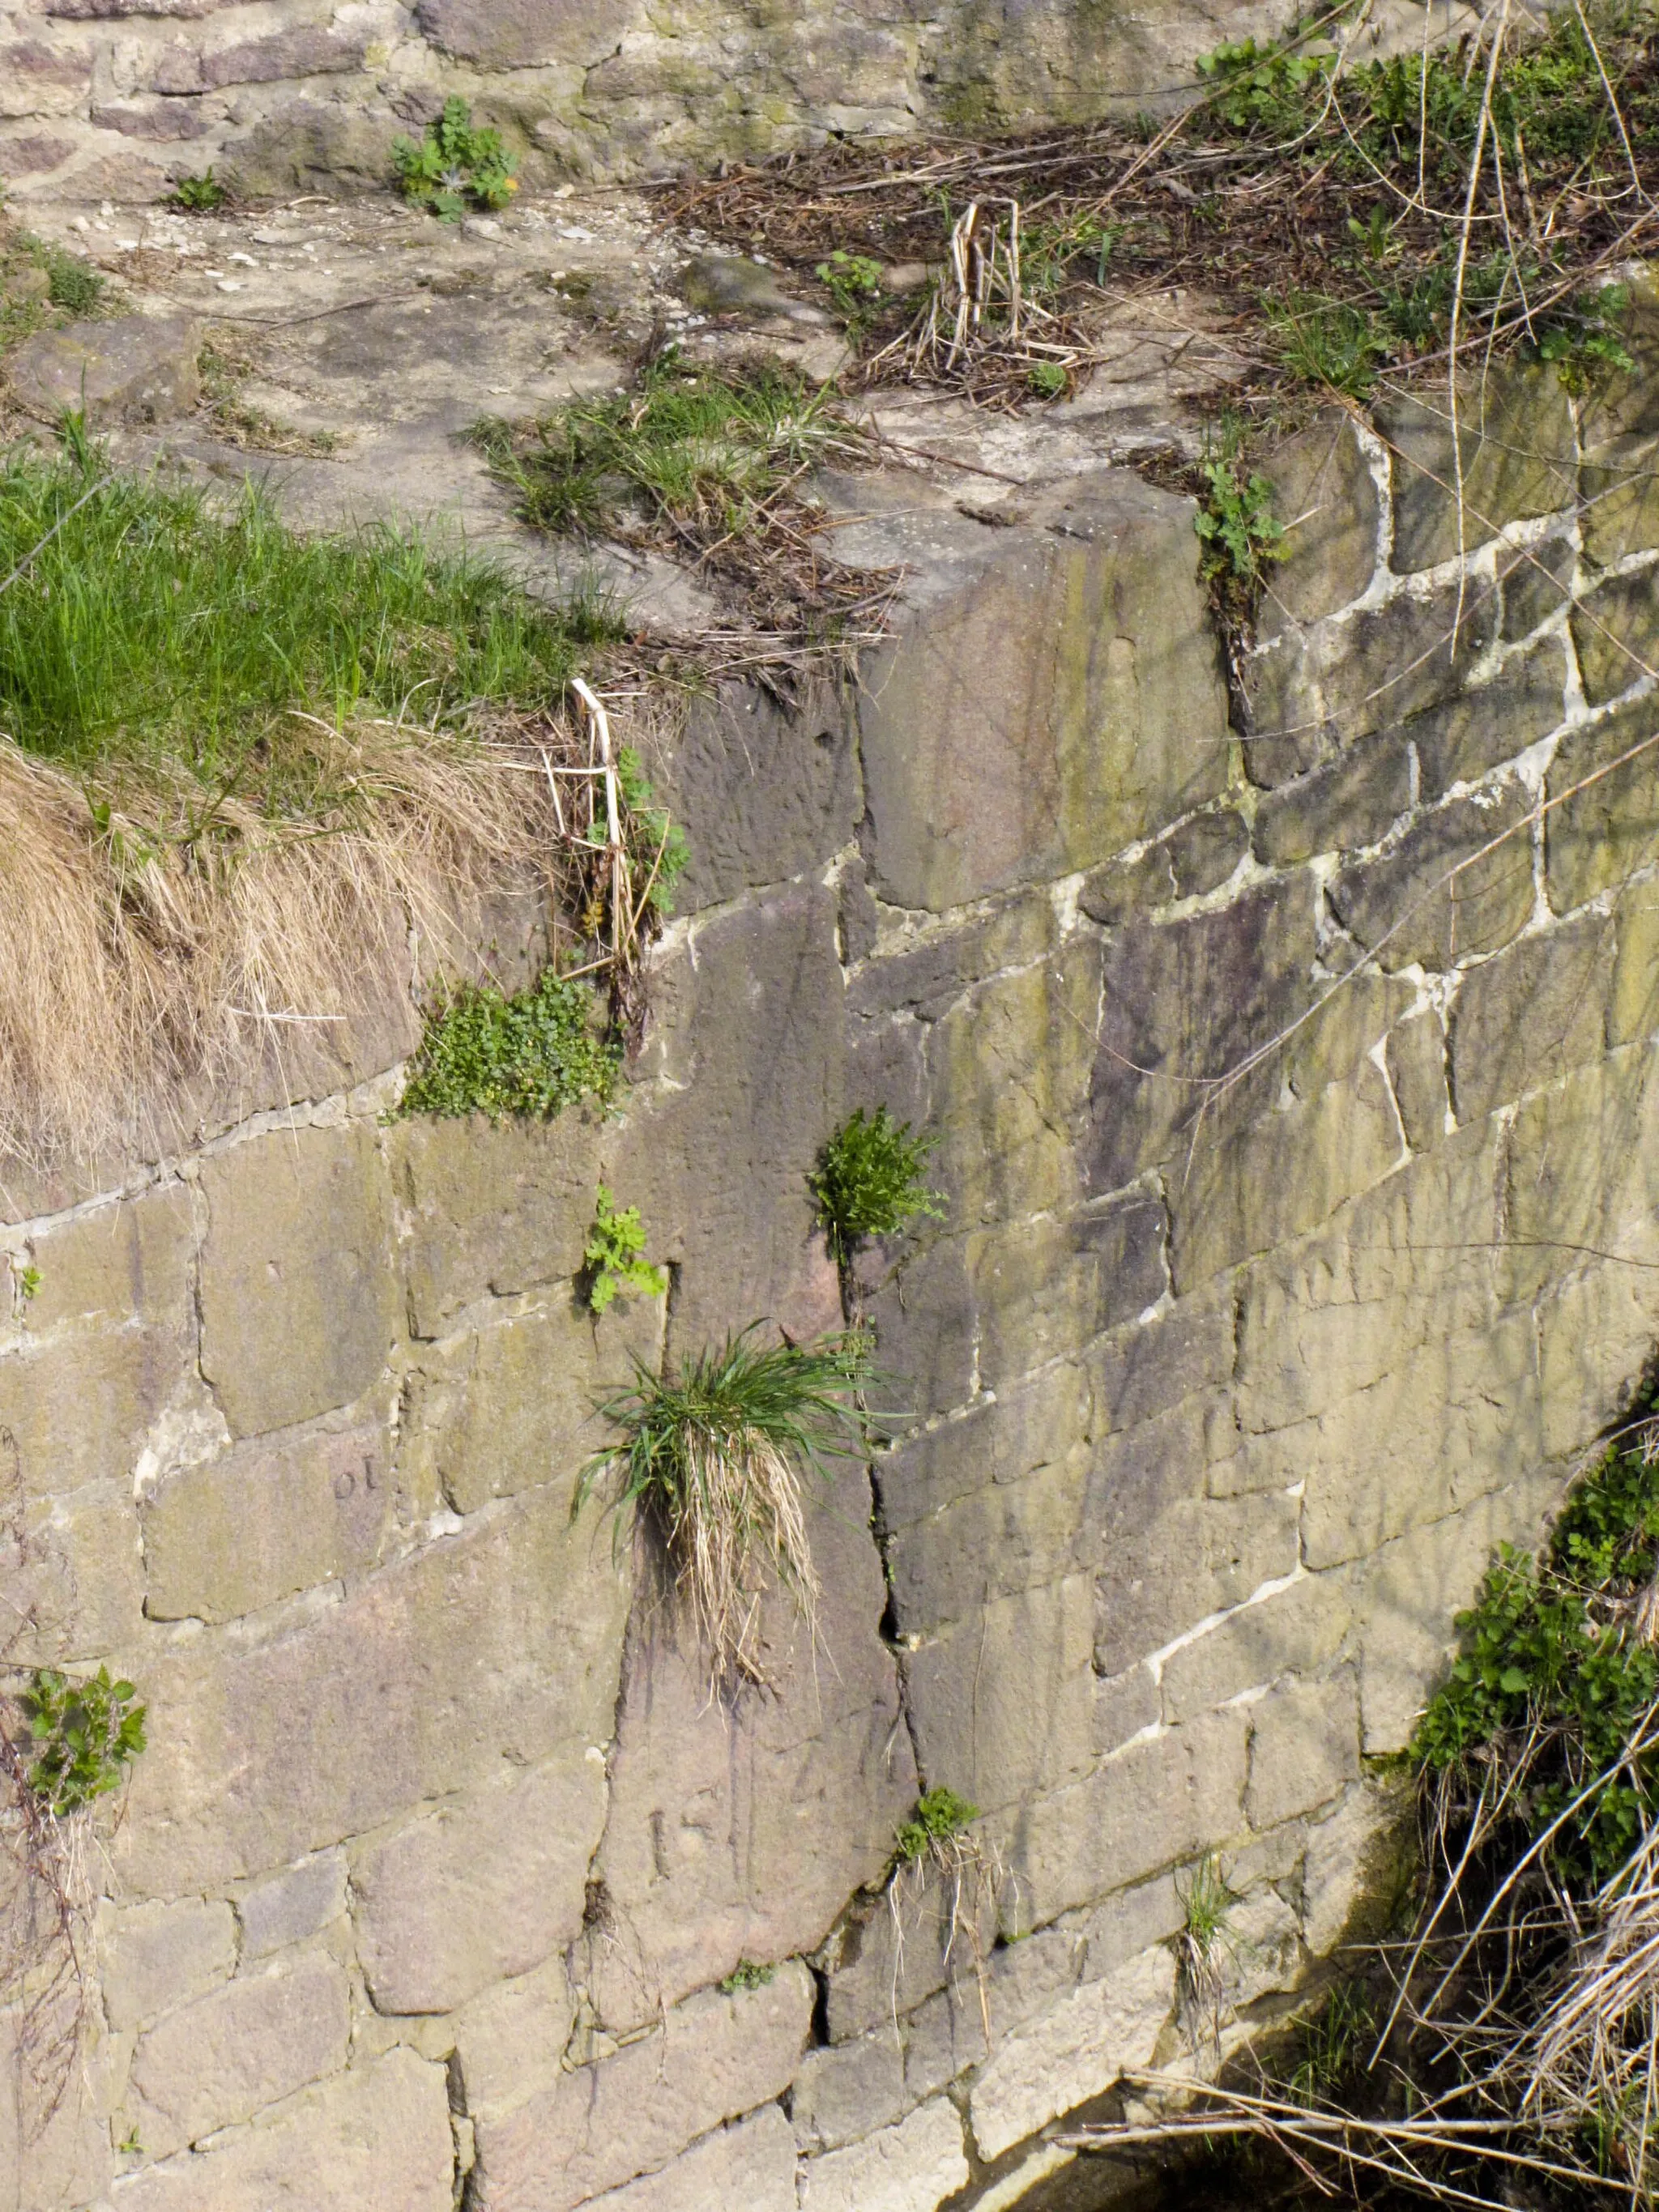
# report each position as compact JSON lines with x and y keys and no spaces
{"x":1204,"y":852}
{"x":1633,"y":1008}
{"x":1537,"y":581}
{"x":1351,"y":1854}
{"x":1124,"y":1705}
{"x":1002,"y":1702}
{"x":1449,"y":889}
{"x":36,"y":79}
{"x":1305,"y":1747}
{"x":990,"y":760}
{"x":1166,"y":1563}
{"x":1575,"y":1171}
{"x":378,"y":2134}
{"x":1144,"y":1370}
{"x":1297,"y":1629}
{"x":305,"y":50}
{"x":1073,"y":2052}
{"x":1480,"y":728}
{"x":498,"y":1646}
{"x":752,"y":2166}
{"x":928,"y":969}
{"x":298,"y":1299}
{"x":512,"y":1406}
{"x":481,"y":1891}
{"x":1616,"y":630}
{"x":134,"y":370}
{"x":510,"y":2042}
{"x":1326,"y":496}
{"x":1182,"y":1002}
{"x":1253,"y":1188}
{"x":845,"y":2091}
{"x":1154,"y":1805}
{"x":715,"y":2057}
{"x":265,"y":1519}
{"x":1046,"y":1288}
{"x":761,"y":794}
{"x":1525,"y":1018}
{"x":1351,"y":800}
{"x":1594,"y":1338}
{"x":741,"y":1832}
{"x":926,"y":1326}
{"x":1038,"y":1424}
{"x":294,"y":1904}
{"x":1596,"y":838}
{"x":495,"y":34}
{"x":911,"y":2167}
{"x":153,"y":1957}
{"x":1416,"y":1058}
{"x":1620,"y":488}
{"x":116,"y":1265}
{"x":1519,"y":458}
{"x":491,"y":1209}
{"x":161,"y":120}
{"x":71,"y":1568}
{"x":246,"y":2045}
{"x":311,"y":146}
{"x":75,"y":1409}
{"x":992,"y":1542}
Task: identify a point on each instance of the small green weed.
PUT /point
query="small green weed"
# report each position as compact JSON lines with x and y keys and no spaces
{"x":198,"y":195}
{"x":1584,"y":338}
{"x":657,"y":849}
{"x":1328,"y":342}
{"x":746,"y":1975}
{"x":1051,"y":254}
{"x":613,"y":1261}
{"x":454,"y":166}
{"x":869,"y":1181}
{"x":129,"y":2146}
{"x":83,"y":1736}
{"x":1332,"y":2046}
{"x":28,"y":1280}
{"x":1555,"y":1667}
{"x":1048,"y":379}
{"x":853,"y":284}
{"x":1263,"y":91}
{"x":939,"y":1819}
{"x":1206,"y":1901}
{"x":715,"y":1452}
{"x":530,"y":1056}
{"x":1240,"y":532}
{"x":74,"y":286}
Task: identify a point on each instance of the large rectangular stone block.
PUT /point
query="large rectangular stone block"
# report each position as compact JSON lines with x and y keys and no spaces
{"x":153,"y":1957}
{"x":1297,"y":1629}
{"x":480,"y":1891}
{"x":1197,"y":1557}
{"x":1512,"y":439}
{"x":498,"y":1646}
{"x":752,"y":2166}
{"x":1326,"y":495}
{"x":1616,"y":630}
{"x":78,"y":1407}
{"x":1051,"y":696}
{"x":912,"y":2167}
{"x":300,"y":1302}
{"x":1525,"y":1018}
{"x":1043,"y":1289}
{"x":1460,"y":882}
{"x":1305,"y":1748}
{"x":714,"y":2059}
{"x":1602,"y":825}
{"x":1491,"y":723}
{"x":1579,"y":1170}
{"x":992,"y":1543}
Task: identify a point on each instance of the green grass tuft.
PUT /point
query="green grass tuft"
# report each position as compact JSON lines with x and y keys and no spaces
{"x":144,"y":624}
{"x":529,"y":1056}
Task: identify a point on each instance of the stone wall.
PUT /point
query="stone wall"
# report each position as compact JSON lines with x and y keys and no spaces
{"x":1297,"y":1118}
{"x":107,"y":99}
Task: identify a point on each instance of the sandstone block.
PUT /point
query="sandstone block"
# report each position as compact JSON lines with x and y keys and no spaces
{"x":36,"y":153}
{"x":1519,"y":458}
{"x":1351,"y":1855}
{"x":1416,"y":1058}
{"x":987,"y":762}
{"x":306,"y":50}
{"x":479,"y":1892}
{"x":1483,"y":728}
{"x":1537,"y":581}
{"x":36,"y":79}
{"x":1579,"y":1166}
{"x":1002,"y":1703}
{"x":1044,"y":1289}
{"x":504,"y":35}
{"x":1294,"y":1631}
{"x":1072,"y":2053}
{"x":1350,"y":800}
{"x":1616,"y":630}
{"x":1326,"y":497}
{"x":491,"y":1211}
{"x":1524,"y":1019}
{"x":76,"y":1407}
{"x":715,"y":2057}
{"x":1155,"y":1804}
{"x":155,"y":1957}
{"x":1633,"y":1009}
{"x":925,"y":972}
{"x":761,"y":794}
{"x":298,"y":1299}
{"x":378,"y":2134}
{"x":311,"y":146}
{"x":752,"y":2166}
{"x":128,"y":1262}
{"x":510,"y":2042}
{"x":267,"y":1518}
{"x":245,"y":2045}
{"x":846,"y":2091}
{"x":740,"y":1829}
{"x":1449,"y":889}
{"x":926,"y":1326}
{"x":134,"y":369}
{"x":512,"y":1406}
{"x":1620,"y":487}
{"x":1124,"y":1705}
{"x":166,"y":121}
{"x":73,"y":1569}
{"x":1186,"y":1001}
{"x":499,"y":1646}
{"x":1145,"y":1370}
{"x":294,"y":1904}
{"x":911,"y":2167}
{"x":1595,"y":1337}
{"x":994,"y":1543}
{"x":1305,"y":1747}
{"x":1597,"y":837}
{"x":1196,"y":1557}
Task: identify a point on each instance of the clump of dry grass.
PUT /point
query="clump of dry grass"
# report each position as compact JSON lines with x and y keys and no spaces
{"x":715,"y":1455}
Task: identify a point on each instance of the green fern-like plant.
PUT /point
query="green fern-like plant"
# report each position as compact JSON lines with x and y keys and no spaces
{"x":870,"y":1182}
{"x":614,"y":1261}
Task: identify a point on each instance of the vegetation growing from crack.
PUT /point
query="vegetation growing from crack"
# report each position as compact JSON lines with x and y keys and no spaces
{"x":1201,"y":1949}
{"x":1506,"y":2037}
{"x":1240,"y":535}
{"x":83,"y":1735}
{"x":746,"y":1976}
{"x":454,"y":165}
{"x":710,"y":463}
{"x":870,"y":1181}
{"x":526,"y":1056}
{"x":935,"y":1829}
{"x":715,"y":1456}
{"x":613,"y":1261}
{"x":201,"y":194}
